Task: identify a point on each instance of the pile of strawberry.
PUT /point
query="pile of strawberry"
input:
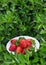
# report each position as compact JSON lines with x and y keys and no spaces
{"x":22,"y":45}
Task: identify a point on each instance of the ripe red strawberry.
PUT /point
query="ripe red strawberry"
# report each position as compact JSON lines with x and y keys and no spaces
{"x":28,"y":48}
{"x":29,"y":40}
{"x":29,"y":43}
{"x":19,"y":49}
{"x":13,"y":40}
{"x":23,"y":52}
{"x":12,"y":47}
{"x":23,"y":44}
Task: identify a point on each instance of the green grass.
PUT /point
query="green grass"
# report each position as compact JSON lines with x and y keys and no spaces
{"x":22,"y":17}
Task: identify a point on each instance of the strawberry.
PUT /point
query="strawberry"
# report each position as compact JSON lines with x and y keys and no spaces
{"x":29,"y":40}
{"x":27,"y":48}
{"x":23,"y":52}
{"x":13,"y":40}
{"x":23,"y":44}
{"x":29,"y":43}
{"x":19,"y":49}
{"x":12,"y":47}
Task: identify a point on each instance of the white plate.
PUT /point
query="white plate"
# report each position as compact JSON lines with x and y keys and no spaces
{"x":37,"y":45}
